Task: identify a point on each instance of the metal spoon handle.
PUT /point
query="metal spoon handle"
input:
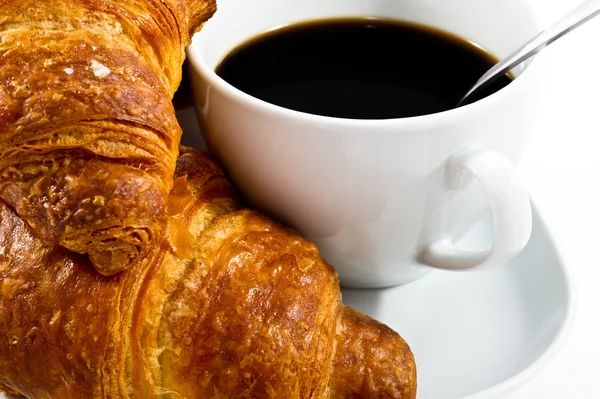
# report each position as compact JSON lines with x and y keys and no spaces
{"x":580,"y":15}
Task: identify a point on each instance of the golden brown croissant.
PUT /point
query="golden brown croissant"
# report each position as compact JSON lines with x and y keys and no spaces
{"x":249,"y":310}
{"x":88,"y":135}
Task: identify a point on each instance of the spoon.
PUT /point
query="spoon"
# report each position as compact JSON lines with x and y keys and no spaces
{"x":577,"y":17}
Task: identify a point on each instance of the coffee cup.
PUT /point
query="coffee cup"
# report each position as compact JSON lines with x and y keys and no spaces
{"x":384,"y":200}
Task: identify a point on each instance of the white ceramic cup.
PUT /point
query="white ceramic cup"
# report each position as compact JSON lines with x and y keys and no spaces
{"x":384,"y":200}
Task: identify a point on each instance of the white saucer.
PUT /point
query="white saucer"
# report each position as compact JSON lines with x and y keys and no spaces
{"x":480,"y":334}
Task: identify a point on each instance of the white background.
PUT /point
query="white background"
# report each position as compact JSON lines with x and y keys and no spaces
{"x":562,"y":170}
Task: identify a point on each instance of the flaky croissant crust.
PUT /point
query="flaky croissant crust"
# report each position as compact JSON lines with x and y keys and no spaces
{"x":88,"y":135}
{"x":251,"y":310}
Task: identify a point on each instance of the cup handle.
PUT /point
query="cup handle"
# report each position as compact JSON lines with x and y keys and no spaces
{"x":510,"y":205}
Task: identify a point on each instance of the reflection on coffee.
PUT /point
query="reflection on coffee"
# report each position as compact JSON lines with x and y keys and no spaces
{"x":359,"y":68}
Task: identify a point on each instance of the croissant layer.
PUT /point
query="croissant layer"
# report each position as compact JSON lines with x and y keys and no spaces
{"x":86,"y":119}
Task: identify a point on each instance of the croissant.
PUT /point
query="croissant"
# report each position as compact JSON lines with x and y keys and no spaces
{"x":229,"y":305}
{"x":88,"y":135}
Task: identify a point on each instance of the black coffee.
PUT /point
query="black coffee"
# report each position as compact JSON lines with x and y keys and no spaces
{"x":359,"y":68}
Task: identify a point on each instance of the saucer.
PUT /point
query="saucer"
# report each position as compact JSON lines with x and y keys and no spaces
{"x":480,"y":334}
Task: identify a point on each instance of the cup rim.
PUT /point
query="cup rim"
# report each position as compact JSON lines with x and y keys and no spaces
{"x":197,"y":62}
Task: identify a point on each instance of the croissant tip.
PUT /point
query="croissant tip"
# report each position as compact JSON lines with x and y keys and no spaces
{"x":371,"y":360}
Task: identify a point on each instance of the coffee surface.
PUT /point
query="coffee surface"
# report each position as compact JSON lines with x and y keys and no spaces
{"x":359,"y":68}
